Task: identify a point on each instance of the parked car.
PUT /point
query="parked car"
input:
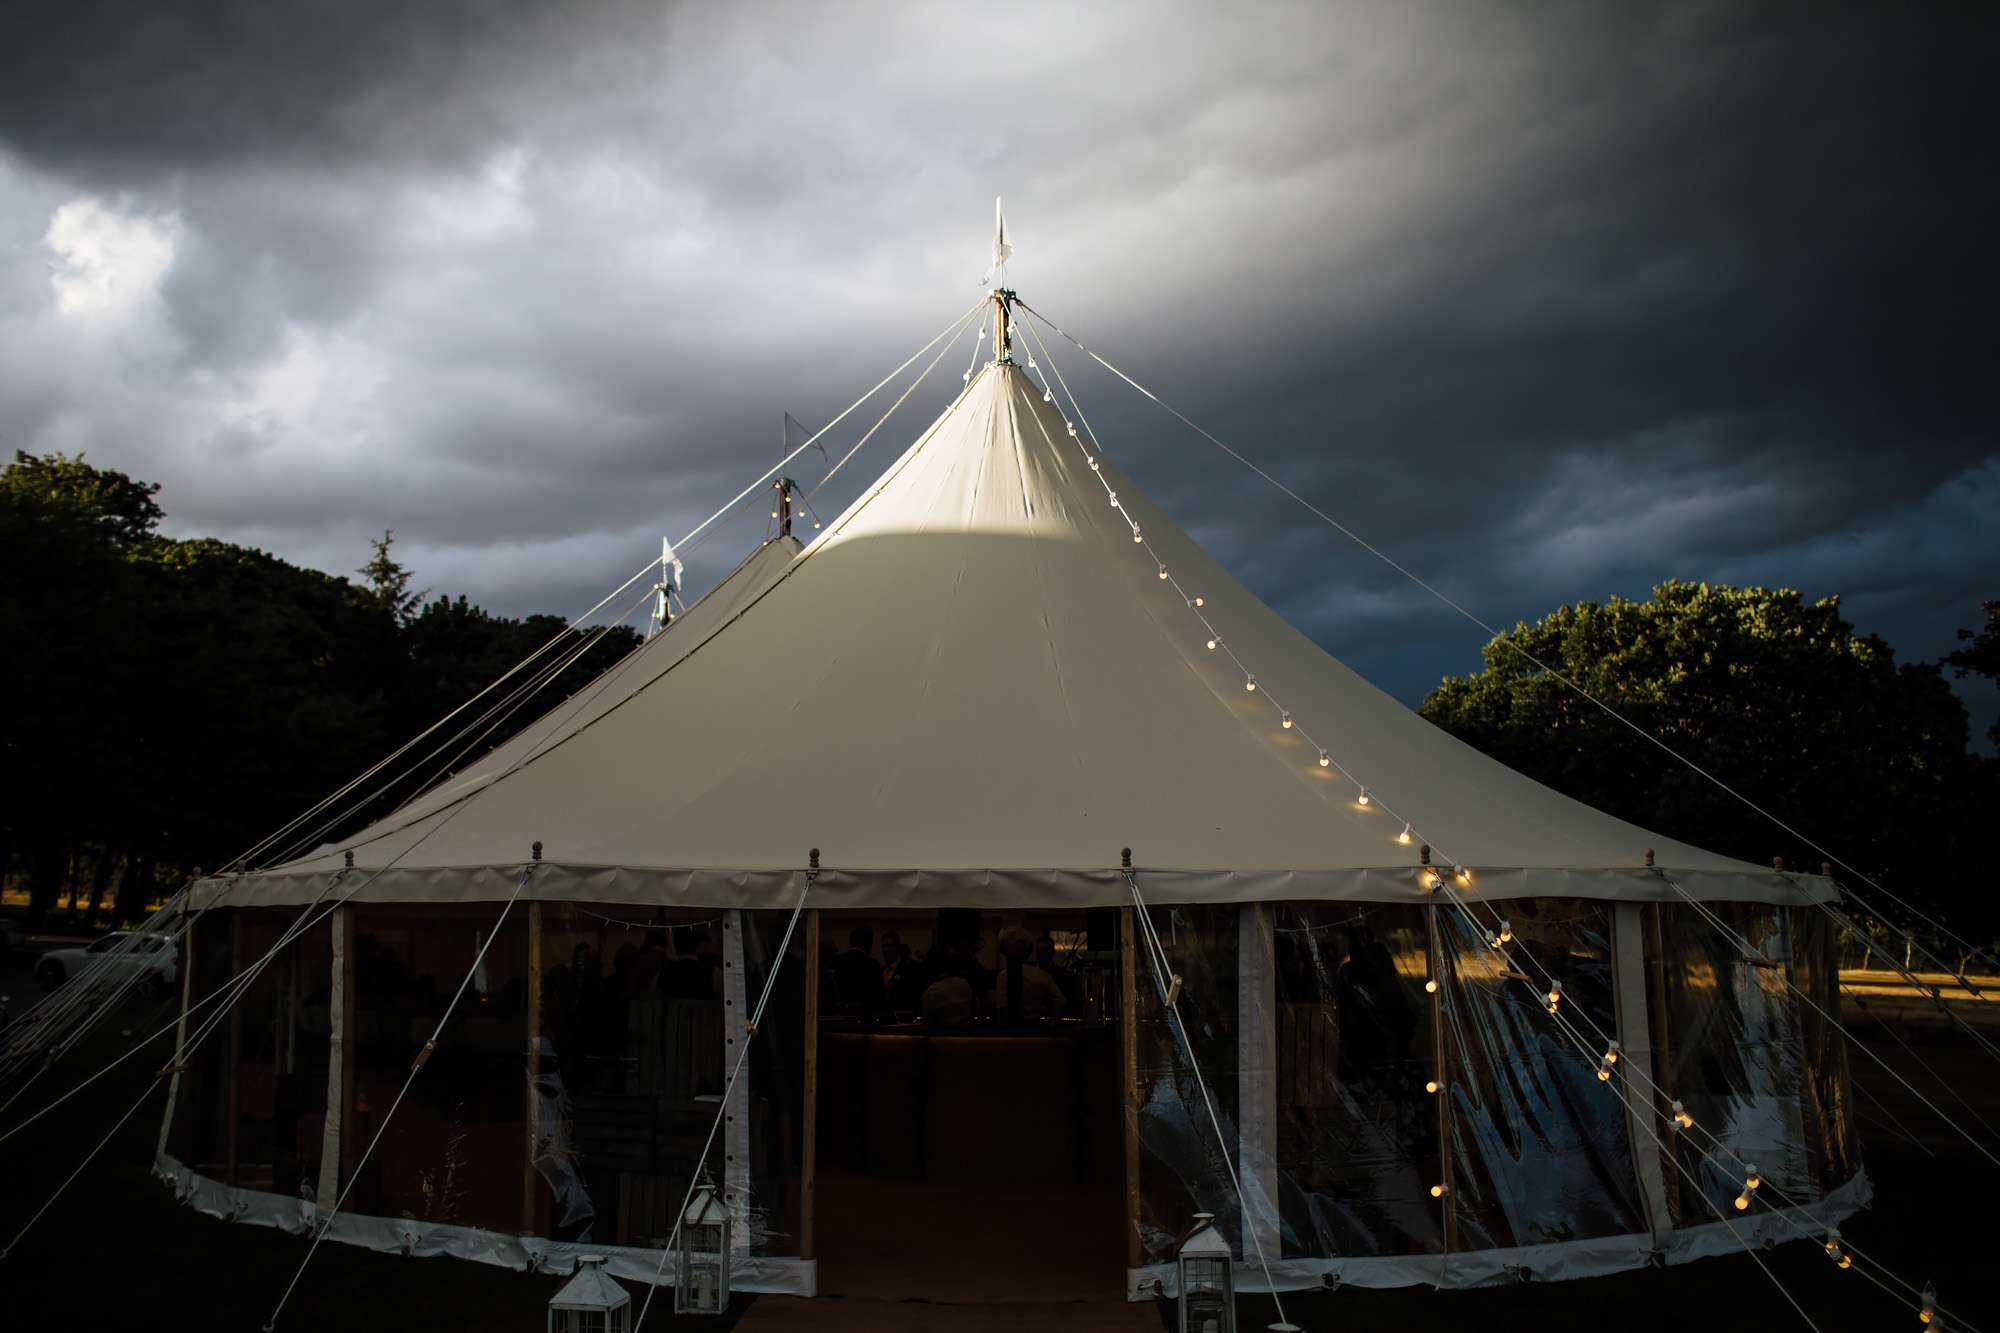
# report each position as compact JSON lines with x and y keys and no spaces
{"x":120,"y":957}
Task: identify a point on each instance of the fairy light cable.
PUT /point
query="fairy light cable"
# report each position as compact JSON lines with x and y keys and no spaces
{"x":1553,"y":673}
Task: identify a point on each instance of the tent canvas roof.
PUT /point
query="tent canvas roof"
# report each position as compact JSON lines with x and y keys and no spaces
{"x":973,"y":689}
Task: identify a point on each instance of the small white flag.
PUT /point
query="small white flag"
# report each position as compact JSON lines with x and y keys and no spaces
{"x":670,"y":561}
{"x":1003,"y":248}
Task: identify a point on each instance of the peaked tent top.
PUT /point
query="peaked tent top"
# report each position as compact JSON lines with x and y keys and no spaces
{"x":973,"y":689}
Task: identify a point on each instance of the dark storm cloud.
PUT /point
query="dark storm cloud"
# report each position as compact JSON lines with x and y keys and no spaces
{"x":1552,"y":302}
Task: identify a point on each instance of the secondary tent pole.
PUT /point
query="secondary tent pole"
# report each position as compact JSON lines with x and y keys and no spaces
{"x":534,"y":1065}
{"x":1128,"y":1027}
{"x":339,"y":1067}
{"x":809,"y":1150}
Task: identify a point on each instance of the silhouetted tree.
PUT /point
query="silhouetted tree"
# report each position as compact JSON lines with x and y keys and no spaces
{"x":1774,"y":695}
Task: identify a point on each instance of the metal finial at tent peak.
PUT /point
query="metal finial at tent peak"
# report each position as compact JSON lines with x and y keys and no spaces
{"x":1649,"y":856}
{"x":812,"y":859}
{"x":349,"y":855}
{"x":537,"y":850}
{"x":1826,"y":868}
{"x":1125,"y":858}
{"x":1424,"y":855}
{"x":1778,"y":864}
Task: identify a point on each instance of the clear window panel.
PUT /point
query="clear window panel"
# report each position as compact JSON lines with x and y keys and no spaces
{"x":1540,"y":1148}
{"x":1357,"y":1132}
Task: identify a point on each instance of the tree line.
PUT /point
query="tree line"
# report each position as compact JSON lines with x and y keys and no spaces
{"x":1779,"y":698}
{"x":169,"y":702}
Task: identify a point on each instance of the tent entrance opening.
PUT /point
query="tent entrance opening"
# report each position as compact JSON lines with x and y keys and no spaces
{"x":970,"y":1107}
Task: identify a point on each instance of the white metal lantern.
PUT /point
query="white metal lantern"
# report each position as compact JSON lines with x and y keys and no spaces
{"x":590,"y":1302}
{"x":1207,"y":1283}
{"x":701,"y":1277}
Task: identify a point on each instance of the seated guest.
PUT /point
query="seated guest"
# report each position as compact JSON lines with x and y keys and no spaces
{"x":857,"y":975}
{"x":948,"y":1000}
{"x":1023,"y":993}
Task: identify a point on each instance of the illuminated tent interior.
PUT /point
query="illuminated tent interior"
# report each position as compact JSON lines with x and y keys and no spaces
{"x":997,"y":670}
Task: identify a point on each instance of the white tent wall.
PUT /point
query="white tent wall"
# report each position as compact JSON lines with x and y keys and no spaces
{"x":972,"y":690}
{"x":1554,"y":1174}
{"x":1309,"y":1023}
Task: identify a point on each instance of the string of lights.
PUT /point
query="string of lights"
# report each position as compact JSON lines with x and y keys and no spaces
{"x":1815,"y":1006}
{"x":1552,"y":672}
{"x":1608,"y":1050}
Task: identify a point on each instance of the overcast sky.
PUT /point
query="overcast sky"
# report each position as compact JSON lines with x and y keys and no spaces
{"x":1551,"y":301}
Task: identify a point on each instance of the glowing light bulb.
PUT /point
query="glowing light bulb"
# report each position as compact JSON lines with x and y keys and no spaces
{"x":1681,"y":1117}
{"x":1431,"y":1086}
{"x":1072,"y":430}
{"x":966,"y":378}
{"x":1198,"y":600}
{"x":1611,"y":1053}
{"x":1555,"y":995}
{"x":1032,"y":365}
{"x":1437,"y":1191}
{"x":1094,"y":467}
{"x":1324,"y":759}
{"x":1603,"y":1073}
{"x":1506,"y":932}
{"x":1250,"y":684}
{"x":1404,"y":836}
{"x":1285,"y":721}
{"x":1163,"y":573}
{"x":1362,"y":799}
{"x":1753,"y":1180}
{"x":1048,"y":397}
{"x":1431,"y":986}
{"x":1212,"y":643}
{"x":1844,"y":1262}
{"x":1742,"y":1202}
{"x":1136,"y":537}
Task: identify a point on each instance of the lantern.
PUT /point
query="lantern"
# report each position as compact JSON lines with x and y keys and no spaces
{"x":701,"y":1280}
{"x":1208,"y":1291}
{"x":590,"y":1302}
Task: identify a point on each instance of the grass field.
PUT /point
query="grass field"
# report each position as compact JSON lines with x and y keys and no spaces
{"x":117,"y":1253}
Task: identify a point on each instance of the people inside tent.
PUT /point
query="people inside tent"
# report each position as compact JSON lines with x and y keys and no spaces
{"x":1050,"y":961}
{"x":958,"y":982}
{"x":857,"y":976}
{"x":1023,"y":993}
{"x":902,"y":975}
